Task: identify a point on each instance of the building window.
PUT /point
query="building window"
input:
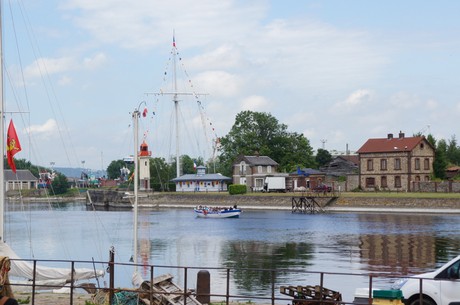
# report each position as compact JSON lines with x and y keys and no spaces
{"x":397,"y":163}
{"x":383,"y":181}
{"x":427,"y":178}
{"x":426,"y":164}
{"x":383,"y":164}
{"x":398,"y":181}
{"x":370,"y":182}
{"x":269,"y":169}
{"x":422,"y":145}
{"x":417,"y":163}
{"x":259,"y":183}
{"x":370,"y":165}
{"x":259,"y":169}
{"x":417,"y":178}
{"x":242,"y":168}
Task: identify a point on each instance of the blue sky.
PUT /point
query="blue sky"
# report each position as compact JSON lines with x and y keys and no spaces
{"x":340,"y":71}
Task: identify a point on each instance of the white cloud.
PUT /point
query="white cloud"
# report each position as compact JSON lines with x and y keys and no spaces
{"x":94,"y":62}
{"x":255,"y":103}
{"x":405,"y":100}
{"x":222,"y":84}
{"x":49,"y":66}
{"x":432,"y":104}
{"x":358,"y":97}
{"x":46,"y":130}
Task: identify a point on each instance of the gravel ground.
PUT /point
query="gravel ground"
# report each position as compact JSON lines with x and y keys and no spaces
{"x":53,"y":298}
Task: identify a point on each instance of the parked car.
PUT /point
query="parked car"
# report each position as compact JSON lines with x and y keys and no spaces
{"x":323,"y":188}
{"x":440,"y":287}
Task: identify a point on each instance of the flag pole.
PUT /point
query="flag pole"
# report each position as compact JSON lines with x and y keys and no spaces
{"x":2,"y":133}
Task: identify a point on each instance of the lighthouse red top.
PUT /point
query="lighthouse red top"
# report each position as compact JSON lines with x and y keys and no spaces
{"x":144,"y":150}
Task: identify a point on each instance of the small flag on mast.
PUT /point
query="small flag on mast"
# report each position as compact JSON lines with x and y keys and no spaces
{"x":12,"y":145}
{"x":174,"y":41}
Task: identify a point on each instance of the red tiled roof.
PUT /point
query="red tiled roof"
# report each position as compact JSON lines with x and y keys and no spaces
{"x":390,"y":145}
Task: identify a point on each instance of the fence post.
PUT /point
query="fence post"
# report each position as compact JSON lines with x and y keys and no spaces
{"x":112,"y":274}
{"x":203,"y":287}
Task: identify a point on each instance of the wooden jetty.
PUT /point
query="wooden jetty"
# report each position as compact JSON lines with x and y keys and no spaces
{"x":312,"y":203}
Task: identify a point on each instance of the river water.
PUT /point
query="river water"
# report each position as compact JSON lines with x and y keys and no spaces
{"x":296,"y":245}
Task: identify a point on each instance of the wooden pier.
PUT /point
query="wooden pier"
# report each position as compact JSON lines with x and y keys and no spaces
{"x":311,"y":204}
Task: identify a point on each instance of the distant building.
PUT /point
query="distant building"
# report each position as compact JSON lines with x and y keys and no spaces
{"x":341,"y":166}
{"x":393,"y":163}
{"x":22,"y":180}
{"x":252,"y":171}
{"x":305,"y":179}
{"x":201,"y":182}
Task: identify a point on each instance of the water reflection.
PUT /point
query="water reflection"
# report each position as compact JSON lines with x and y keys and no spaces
{"x":256,"y":255}
{"x":405,"y":244}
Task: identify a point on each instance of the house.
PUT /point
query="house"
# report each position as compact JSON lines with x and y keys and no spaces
{"x":342,"y":165}
{"x":452,"y":172}
{"x":252,"y":171}
{"x":201,"y":182}
{"x":22,"y":180}
{"x":393,"y":163}
{"x":306,"y":179}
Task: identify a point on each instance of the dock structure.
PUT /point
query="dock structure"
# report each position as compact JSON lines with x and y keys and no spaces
{"x":311,"y":204}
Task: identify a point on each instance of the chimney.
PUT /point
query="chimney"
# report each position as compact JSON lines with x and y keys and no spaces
{"x":390,"y":136}
{"x":401,"y":134}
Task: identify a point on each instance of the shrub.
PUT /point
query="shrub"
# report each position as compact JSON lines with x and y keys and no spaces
{"x":236,"y":189}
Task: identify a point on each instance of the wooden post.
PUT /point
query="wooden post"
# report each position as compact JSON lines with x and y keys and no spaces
{"x":203,"y":287}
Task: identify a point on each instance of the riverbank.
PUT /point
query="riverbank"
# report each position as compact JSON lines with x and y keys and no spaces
{"x":343,"y":202}
{"x":329,"y":202}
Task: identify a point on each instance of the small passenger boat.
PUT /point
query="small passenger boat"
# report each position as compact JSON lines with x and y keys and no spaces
{"x":217,"y":212}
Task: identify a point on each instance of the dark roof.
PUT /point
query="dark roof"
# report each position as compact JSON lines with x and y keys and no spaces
{"x":21,"y":175}
{"x":307,"y":172}
{"x":256,"y":160}
{"x":205,"y":177}
{"x":391,"y":144}
{"x":351,"y":158}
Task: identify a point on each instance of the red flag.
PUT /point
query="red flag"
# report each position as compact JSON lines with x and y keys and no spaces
{"x":12,"y":145}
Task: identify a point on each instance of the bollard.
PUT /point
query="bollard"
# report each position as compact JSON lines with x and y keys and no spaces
{"x":203,"y":287}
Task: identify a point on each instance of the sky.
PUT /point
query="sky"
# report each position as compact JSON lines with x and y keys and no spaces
{"x":337,"y":71}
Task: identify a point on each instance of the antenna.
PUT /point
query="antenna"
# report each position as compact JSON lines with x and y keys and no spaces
{"x":323,"y":142}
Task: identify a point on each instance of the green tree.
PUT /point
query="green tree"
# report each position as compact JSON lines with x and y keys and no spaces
{"x":113,"y":170}
{"x":59,"y":185}
{"x":187,"y":165}
{"x":260,"y":132}
{"x":160,"y":174}
{"x":453,"y":152}
{"x":323,"y":157}
{"x":440,"y":160}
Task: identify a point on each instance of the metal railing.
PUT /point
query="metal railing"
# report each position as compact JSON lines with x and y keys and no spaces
{"x":226,"y":293}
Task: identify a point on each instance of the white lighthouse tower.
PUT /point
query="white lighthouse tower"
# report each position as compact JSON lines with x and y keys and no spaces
{"x":144,"y":167}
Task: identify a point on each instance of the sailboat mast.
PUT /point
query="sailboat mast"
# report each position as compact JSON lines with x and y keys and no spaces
{"x":2,"y":132}
{"x":136,"y":182}
{"x":176,"y":107}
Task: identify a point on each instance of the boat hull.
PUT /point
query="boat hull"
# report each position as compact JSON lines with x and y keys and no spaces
{"x":206,"y":212}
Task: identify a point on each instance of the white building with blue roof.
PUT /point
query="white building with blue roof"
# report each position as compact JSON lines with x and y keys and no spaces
{"x":201,"y":182}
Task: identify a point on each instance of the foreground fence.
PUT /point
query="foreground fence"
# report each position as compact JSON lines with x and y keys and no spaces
{"x":176,"y":285}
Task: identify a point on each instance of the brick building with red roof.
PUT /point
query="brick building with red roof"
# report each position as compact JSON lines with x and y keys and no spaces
{"x":393,"y":163}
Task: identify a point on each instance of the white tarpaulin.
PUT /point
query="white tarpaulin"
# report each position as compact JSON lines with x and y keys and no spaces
{"x":43,"y":274}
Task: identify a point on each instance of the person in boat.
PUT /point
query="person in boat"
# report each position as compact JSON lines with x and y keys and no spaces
{"x":6,"y":294}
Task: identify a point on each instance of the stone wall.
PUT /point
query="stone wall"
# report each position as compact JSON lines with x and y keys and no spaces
{"x":285,"y":201}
